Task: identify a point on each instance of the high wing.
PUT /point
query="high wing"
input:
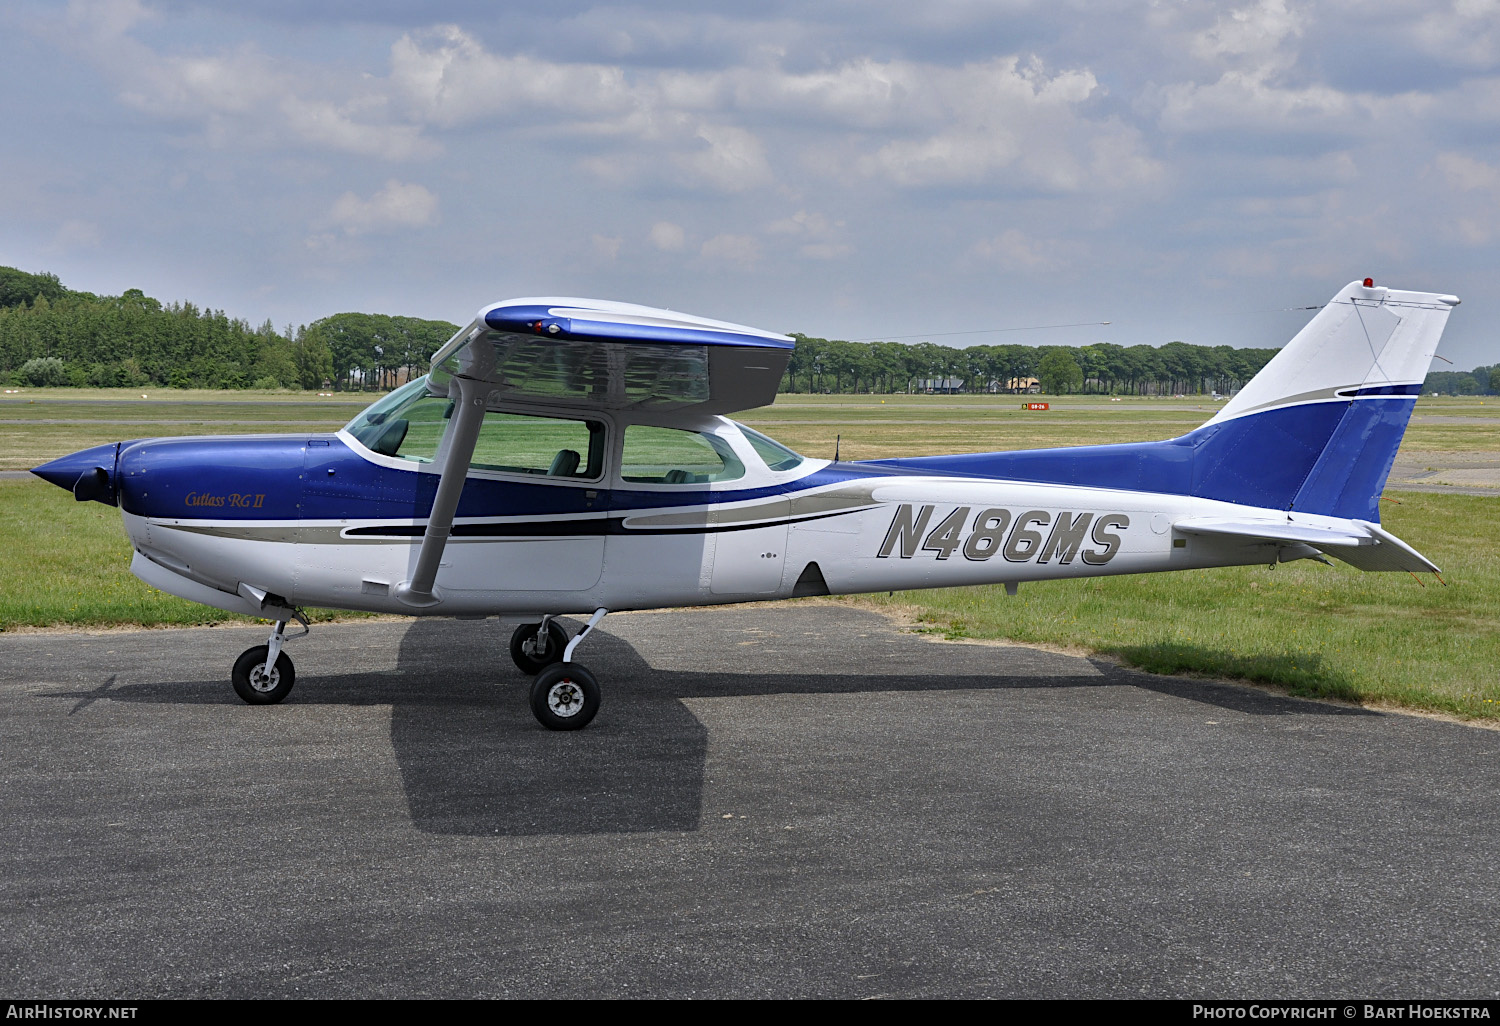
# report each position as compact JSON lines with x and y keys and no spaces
{"x":589,"y":354}
{"x":593,"y":354}
{"x":1367,"y":547}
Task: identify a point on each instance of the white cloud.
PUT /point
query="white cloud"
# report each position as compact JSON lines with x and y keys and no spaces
{"x":1474,"y":221}
{"x":447,"y":78}
{"x":1258,"y":32}
{"x":76,"y":234}
{"x":1248,"y":102}
{"x":803,"y":223}
{"x":819,"y":237}
{"x":825,"y":250}
{"x":1466,"y":32}
{"x":398,"y":205}
{"x":739,"y":250}
{"x":1005,"y":122}
{"x":1239,"y":262}
{"x":862,"y":93}
{"x":242,"y":97}
{"x":607,"y":247}
{"x":733,"y":159}
{"x":1255,"y":47}
{"x":1464,"y":172}
{"x":1014,"y":251}
{"x":105,"y":17}
{"x":667,"y":236}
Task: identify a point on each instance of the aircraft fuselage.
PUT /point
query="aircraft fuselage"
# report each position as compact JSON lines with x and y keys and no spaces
{"x":321,"y":521}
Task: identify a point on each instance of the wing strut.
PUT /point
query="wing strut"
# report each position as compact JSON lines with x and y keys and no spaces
{"x":418,"y":590}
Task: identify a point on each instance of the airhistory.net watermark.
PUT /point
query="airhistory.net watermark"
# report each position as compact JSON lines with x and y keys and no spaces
{"x":55,"y":1010}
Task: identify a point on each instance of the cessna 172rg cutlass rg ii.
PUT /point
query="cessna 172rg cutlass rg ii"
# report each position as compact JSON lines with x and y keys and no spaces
{"x":572,"y":456}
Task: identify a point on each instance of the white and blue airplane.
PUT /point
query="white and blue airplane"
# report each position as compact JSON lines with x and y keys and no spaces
{"x":569,"y":456}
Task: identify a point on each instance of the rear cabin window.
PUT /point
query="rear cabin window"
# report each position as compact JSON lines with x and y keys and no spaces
{"x":776,"y":455}
{"x":655,"y":455}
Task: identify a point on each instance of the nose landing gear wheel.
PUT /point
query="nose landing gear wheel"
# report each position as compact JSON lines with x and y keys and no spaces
{"x":565,"y":696}
{"x":523,"y":642}
{"x":255,"y":684}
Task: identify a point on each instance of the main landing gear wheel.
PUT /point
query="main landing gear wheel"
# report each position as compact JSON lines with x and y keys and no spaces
{"x":565,"y":697}
{"x":256,"y":685}
{"x":523,"y":643}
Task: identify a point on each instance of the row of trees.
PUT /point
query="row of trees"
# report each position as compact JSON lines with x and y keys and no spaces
{"x":1479,"y":381}
{"x":50,"y":335}
{"x":824,"y":365}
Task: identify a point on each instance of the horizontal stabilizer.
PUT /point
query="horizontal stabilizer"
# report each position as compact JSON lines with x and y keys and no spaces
{"x":1389,"y":553}
{"x":1362,"y":544}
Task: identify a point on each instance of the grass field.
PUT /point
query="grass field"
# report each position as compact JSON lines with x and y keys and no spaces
{"x":1315,"y":630}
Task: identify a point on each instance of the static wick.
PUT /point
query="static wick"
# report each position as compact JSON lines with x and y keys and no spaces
{"x":1387,"y":498}
{"x":1439,"y":576}
{"x":1416,"y":578}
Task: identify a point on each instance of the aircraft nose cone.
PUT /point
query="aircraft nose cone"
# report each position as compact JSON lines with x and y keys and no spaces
{"x":79,"y":472}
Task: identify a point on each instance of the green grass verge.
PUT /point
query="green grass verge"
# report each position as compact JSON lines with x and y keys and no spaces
{"x":70,"y":566}
{"x":1314,"y":630}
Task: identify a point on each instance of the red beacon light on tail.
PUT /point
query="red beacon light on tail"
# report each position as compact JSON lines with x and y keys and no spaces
{"x":1369,"y":283}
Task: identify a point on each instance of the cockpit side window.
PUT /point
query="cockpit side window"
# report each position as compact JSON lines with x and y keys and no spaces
{"x":554,"y":446}
{"x":657,"y":455}
{"x":409,"y":424}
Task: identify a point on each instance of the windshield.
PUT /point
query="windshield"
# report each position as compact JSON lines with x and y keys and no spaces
{"x":384,"y":426}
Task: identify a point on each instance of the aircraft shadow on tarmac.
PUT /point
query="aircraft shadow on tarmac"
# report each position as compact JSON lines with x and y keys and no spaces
{"x":474,"y":762}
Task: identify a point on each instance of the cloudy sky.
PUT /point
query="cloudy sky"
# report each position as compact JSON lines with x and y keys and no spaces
{"x":1185,"y":170}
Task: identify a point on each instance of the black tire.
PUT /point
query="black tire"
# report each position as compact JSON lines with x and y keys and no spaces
{"x":565,"y":697}
{"x":250,"y":681}
{"x":532,"y":664}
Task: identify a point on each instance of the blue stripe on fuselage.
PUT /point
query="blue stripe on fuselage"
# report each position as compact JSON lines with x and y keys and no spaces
{"x":1324,"y":457}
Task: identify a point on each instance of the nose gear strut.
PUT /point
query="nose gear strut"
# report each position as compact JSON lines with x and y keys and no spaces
{"x":264,"y":675}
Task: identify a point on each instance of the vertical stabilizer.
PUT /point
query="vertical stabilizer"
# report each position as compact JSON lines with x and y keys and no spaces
{"x":1345,"y":386}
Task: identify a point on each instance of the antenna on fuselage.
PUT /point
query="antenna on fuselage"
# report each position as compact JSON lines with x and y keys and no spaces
{"x":836,"y":447}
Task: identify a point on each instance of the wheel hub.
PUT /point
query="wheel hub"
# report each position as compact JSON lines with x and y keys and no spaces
{"x":565,"y":699}
{"x":262,"y":681}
